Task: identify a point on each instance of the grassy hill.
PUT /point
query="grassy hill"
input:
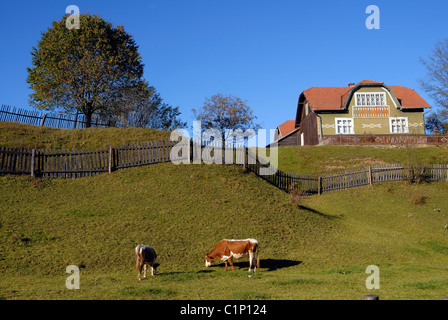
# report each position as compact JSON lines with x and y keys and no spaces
{"x":20,"y":135}
{"x":316,"y":247}
{"x":321,"y":159}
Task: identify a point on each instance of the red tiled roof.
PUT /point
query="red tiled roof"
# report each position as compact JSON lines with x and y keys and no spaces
{"x":326,"y":97}
{"x":409,"y":98}
{"x":334,"y":98}
{"x":286,"y":127}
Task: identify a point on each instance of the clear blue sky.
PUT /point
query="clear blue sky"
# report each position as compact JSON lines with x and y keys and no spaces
{"x":265,"y":52}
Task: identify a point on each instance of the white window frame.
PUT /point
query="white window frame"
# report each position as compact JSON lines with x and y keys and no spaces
{"x":392,"y":125}
{"x":350,"y":127}
{"x":367,"y":102}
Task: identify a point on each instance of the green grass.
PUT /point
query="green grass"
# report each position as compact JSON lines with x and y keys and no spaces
{"x":316,"y":249}
{"x":319,"y":251}
{"x":19,"y":135}
{"x":322,"y":159}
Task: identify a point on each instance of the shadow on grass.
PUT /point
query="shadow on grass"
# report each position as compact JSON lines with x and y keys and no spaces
{"x":270,"y":264}
{"x":327,"y":216}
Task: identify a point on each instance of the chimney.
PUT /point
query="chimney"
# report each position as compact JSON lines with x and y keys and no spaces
{"x":351,"y":85}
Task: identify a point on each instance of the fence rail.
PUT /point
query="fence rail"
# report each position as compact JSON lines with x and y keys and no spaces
{"x":38,"y":118}
{"x":81,"y":163}
{"x":321,"y":183}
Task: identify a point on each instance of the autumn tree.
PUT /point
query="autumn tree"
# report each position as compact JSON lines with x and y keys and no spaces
{"x":81,"y":70}
{"x":223,"y":113}
{"x":436,"y":85}
{"x":141,"y":106}
{"x":437,"y":122}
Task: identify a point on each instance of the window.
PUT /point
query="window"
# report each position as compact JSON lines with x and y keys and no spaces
{"x":399,"y":125}
{"x":344,"y":125}
{"x":370,"y":98}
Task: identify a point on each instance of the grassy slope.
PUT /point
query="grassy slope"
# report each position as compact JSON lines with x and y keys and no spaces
{"x":19,"y":135}
{"x":317,"y":251}
{"x":321,"y":159}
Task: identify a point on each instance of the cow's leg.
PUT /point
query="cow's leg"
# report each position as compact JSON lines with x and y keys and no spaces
{"x":152,"y":270}
{"x":251,"y":260}
{"x":231,"y":263}
{"x":225,"y":262}
{"x":139,"y":271}
{"x":144,"y":271}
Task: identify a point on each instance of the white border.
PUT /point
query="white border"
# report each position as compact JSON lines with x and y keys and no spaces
{"x":352,"y":131}
{"x":406,"y":128}
{"x":371,"y":92}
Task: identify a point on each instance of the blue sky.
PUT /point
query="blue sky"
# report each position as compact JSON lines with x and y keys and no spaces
{"x":265,"y":52}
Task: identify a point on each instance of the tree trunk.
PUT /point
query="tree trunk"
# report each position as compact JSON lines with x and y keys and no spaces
{"x":88,"y":116}
{"x":88,"y":119}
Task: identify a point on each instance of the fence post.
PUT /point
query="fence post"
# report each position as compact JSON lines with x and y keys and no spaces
{"x":319,"y":185}
{"x":75,"y":126}
{"x":245,"y":157}
{"x":43,"y":120}
{"x":370,"y":175}
{"x":111,"y":159}
{"x":33,"y":161}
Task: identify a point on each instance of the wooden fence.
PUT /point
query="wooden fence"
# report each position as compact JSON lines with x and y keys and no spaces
{"x":81,"y":163}
{"x":321,"y":183}
{"x":38,"y":118}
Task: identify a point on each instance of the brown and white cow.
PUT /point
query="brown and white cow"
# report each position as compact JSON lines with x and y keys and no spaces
{"x":145,"y":255}
{"x":228,"y":249}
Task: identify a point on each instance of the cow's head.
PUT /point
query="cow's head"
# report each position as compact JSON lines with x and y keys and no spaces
{"x":209,"y":260}
{"x":154,"y":266}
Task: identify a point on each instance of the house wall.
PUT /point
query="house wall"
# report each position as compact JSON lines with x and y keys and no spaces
{"x":374,"y":125}
{"x":308,"y":121}
{"x":309,"y":129}
{"x":290,"y":140}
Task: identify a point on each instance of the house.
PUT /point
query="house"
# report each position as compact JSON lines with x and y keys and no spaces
{"x":286,"y":132}
{"x":367,"y":108}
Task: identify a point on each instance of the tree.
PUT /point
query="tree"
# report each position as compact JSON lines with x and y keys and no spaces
{"x":437,"y":123}
{"x":436,"y":84}
{"x":80,"y":70}
{"x":141,"y":106}
{"x":225,"y":112}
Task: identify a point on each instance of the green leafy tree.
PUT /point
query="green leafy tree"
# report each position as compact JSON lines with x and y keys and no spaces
{"x":81,"y":70}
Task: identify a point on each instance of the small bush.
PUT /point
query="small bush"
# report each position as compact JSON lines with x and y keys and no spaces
{"x":296,"y":197}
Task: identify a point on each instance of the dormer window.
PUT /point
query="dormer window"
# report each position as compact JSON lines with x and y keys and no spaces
{"x":367,"y":99}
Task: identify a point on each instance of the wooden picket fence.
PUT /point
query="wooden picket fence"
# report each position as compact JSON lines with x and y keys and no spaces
{"x":53,"y":120}
{"x":81,"y":163}
{"x":322,"y":183}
